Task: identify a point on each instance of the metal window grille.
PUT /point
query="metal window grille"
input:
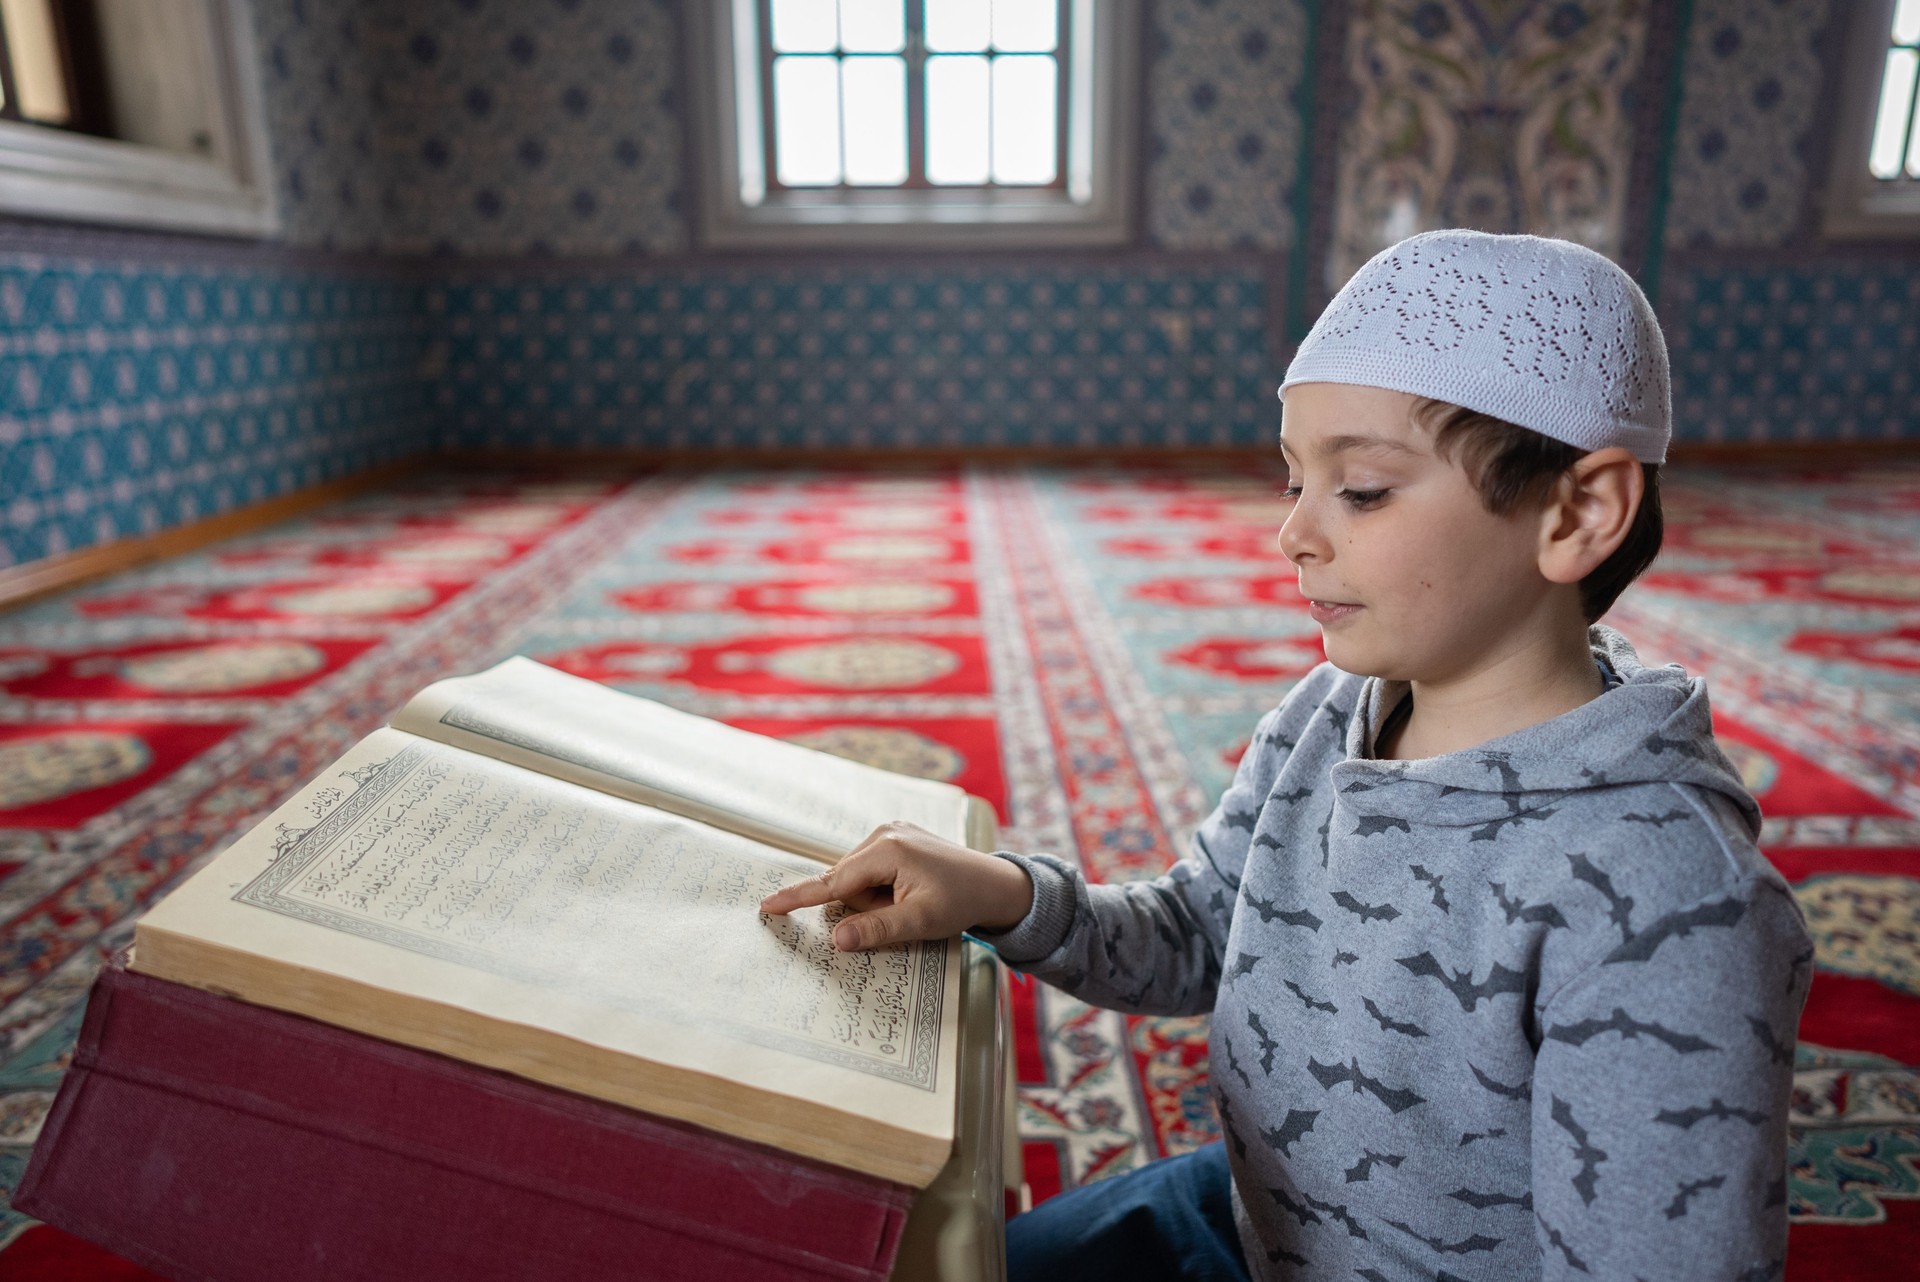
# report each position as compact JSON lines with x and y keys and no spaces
{"x":838,"y":66}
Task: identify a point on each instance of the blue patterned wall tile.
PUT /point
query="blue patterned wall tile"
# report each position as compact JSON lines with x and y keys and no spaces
{"x":138,"y":394}
{"x":1224,"y":129}
{"x":1752,"y":86}
{"x":717,"y":358}
{"x":1790,"y":354}
{"x":532,"y":128}
{"x":480,"y":128}
{"x":324,"y":121}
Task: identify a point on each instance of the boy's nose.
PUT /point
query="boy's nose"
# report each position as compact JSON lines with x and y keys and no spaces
{"x":1299,"y":538}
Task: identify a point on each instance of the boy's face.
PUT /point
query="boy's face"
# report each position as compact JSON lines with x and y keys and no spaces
{"x":1410,"y":576}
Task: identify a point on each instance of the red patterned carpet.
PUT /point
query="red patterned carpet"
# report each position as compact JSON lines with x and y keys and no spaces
{"x":1088,"y":649}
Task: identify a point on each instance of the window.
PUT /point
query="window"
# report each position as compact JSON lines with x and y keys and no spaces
{"x":940,"y":93}
{"x":138,"y":112}
{"x":1895,"y":150}
{"x":917,"y":122}
{"x":1874,"y":190}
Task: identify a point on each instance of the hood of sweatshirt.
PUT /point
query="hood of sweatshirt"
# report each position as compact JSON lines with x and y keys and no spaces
{"x":1654,"y":727}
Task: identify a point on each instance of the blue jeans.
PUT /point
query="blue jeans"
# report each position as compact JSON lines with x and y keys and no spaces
{"x":1170,"y":1219}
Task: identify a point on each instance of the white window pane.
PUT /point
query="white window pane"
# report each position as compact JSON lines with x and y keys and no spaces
{"x":1896,"y":91}
{"x":959,"y":26}
{"x":1025,"y":26}
{"x":804,"y":26}
{"x":1906,"y":22}
{"x":806,"y":116}
{"x":872,"y":26}
{"x":958,"y":144}
{"x":1024,"y":107}
{"x":874,"y":92}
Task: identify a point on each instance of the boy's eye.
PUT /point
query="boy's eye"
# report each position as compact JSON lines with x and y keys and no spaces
{"x":1363,"y":498}
{"x":1290,"y":492}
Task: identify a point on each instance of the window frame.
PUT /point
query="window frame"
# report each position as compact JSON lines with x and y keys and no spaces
{"x":49,"y":172}
{"x":1093,"y":206}
{"x":1856,"y":205}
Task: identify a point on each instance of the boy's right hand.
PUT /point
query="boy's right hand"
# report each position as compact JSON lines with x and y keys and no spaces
{"x":904,"y":883}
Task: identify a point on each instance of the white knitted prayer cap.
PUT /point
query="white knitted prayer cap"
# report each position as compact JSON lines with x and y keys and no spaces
{"x":1540,"y":332}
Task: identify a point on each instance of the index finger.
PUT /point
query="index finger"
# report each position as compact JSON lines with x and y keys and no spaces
{"x":864,"y":869}
{"x":801,"y":894}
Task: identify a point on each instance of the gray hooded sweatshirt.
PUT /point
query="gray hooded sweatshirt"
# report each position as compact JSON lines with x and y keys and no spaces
{"x":1522,"y":1011}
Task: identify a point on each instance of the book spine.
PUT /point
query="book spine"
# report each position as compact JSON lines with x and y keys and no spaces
{"x":209,"y":1139}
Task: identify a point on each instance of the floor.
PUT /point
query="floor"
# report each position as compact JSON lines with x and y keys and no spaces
{"x":1086,"y":648}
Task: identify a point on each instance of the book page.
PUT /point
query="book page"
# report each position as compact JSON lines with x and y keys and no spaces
{"x":579,"y":730}
{"x":421,"y":869}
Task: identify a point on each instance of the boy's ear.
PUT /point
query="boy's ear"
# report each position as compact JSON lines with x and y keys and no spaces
{"x":1589,"y":513}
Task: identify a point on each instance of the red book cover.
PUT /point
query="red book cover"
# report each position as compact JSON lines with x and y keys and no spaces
{"x":210,"y":1139}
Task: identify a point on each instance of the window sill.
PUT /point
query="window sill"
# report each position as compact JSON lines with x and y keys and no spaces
{"x":919,"y":220}
{"x":1891,"y":214}
{"x":51,"y":174}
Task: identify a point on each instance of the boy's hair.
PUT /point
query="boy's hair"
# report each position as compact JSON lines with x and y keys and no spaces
{"x":1507,"y":463}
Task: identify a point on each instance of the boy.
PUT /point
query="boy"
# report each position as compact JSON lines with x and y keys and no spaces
{"x":1501,"y":987}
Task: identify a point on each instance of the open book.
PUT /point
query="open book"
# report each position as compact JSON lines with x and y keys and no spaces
{"x":533,"y":872}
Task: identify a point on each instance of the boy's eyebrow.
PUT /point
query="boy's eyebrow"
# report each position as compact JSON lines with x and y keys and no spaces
{"x":1356,"y":441}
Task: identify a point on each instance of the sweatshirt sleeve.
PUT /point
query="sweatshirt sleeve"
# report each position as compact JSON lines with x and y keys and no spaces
{"x":1148,"y":947}
{"x":1660,"y":1095}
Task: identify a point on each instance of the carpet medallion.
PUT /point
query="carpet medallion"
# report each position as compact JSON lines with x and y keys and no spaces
{"x":1088,"y":649}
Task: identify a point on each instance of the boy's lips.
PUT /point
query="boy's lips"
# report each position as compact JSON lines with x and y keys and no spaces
{"x":1325,"y":612}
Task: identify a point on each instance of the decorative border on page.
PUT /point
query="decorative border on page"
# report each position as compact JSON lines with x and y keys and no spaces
{"x":269,"y":891}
